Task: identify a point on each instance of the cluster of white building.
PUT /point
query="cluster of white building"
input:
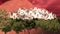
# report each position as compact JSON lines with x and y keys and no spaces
{"x":32,"y":13}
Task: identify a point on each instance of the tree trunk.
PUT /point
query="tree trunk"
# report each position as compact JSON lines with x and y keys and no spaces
{"x":28,"y":31}
{"x":17,"y":32}
{"x":36,"y":30}
{"x":5,"y":32}
{"x":24,"y":31}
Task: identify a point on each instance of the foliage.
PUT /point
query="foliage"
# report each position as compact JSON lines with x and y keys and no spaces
{"x":59,"y":19}
{"x":4,"y":21}
{"x":7,"y":28}
{"x":17,"y":25}
{"x":29,"y":24}
{"x":51,"y":25}
{"x":4,"y":18}
{"x":6,"y":24}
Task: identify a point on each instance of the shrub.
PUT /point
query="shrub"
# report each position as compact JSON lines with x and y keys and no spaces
{"x":51,"y":25}
{"x":4,"y":21}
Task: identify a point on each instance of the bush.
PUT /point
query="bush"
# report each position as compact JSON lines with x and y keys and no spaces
{"x":4,"y":18}
{"x":17,"y":25}
{"x":7,"y":28}
{"x":6,"y":24}
{"x":59,"y":19}
{"x":51,"y":25}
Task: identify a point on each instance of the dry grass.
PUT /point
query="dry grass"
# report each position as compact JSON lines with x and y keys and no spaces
{"x":4,"y":18}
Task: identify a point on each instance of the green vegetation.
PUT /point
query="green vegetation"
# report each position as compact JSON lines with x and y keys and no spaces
{"x":51,"y":25}
{"x":7,"y":28}
{"x":4,"y":21}
{"x":6,"y":24}
{"x":59,"y":19}
{"x":17,"y":26}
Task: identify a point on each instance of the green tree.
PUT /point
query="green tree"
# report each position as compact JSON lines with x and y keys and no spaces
{"x":50,"y":25}
{"x":7,"y":28}
{"x":59,"y":19}
{"x":4,"y":20}
{"x":17,"y":26}
{"x":29,"y":24}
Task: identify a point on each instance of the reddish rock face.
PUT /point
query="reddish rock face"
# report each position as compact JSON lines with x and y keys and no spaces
{"x":12,"y":5}
{"x":51,"y":5}
{"x":3,"y":1}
